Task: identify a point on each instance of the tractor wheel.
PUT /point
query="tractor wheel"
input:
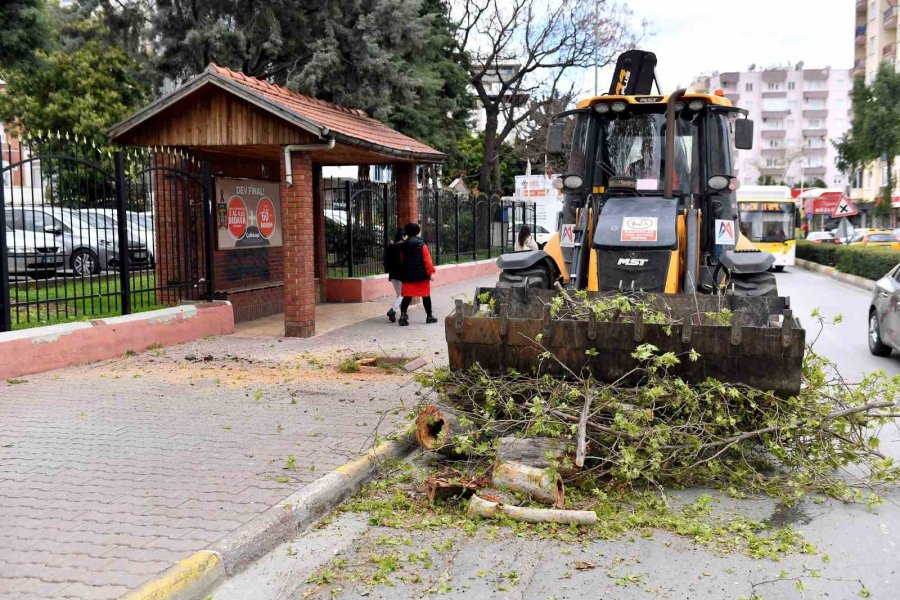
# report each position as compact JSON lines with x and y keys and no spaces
{"x":754,"y":284}
{"x":537,"y":276}
{"x":876,"y":346}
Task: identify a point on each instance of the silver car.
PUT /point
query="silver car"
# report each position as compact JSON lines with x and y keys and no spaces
{"x":87,"y":249}
{"x":34,"y":256}
{"x":884,"y":314}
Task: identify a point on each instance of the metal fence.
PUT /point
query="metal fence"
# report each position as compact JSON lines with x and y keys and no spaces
{"x":92,"y":232}
{"x":361,"y":218}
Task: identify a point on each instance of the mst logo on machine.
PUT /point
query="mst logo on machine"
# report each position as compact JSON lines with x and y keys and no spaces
{"x":632,"y":262}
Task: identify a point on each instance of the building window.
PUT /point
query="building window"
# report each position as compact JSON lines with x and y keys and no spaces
{"x":774,"y":104}
{"x":774,"y":86}
{"x":748,"y":87}
{"x":790,"y":85}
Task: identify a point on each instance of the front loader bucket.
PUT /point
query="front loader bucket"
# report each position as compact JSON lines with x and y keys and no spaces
{"x":758,"y":343}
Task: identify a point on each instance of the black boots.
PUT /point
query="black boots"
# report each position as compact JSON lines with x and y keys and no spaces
{"x":392,"y":315}
{"x":404,"y":320}
{"x":430,"y":319}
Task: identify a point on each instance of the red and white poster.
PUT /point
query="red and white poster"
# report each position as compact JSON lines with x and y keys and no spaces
{"x":639,"y":229}
{"x":248,"y":213}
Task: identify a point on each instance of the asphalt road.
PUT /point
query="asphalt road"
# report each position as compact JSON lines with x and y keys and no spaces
{"x":855,"y":545}
{"x":844,"y":343}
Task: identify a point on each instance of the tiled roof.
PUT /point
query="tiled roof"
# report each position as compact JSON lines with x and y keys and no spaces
{"x":351,"y":124}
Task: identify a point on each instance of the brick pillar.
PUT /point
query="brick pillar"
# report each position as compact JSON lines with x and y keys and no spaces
{"x":407,"y":194}
{"x":299,"y":249}
{"x":321,"y":270}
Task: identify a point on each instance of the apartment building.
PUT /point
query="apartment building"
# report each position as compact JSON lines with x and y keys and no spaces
{"x":493,"y":81}
{"x":797,"y":112}
{"x":875,"y":42}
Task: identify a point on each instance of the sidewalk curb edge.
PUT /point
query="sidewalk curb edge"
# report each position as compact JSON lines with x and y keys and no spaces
{"x":854,"y":280}
{"x":196,"y":575}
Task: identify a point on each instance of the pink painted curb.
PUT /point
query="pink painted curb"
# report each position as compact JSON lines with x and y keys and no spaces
{"x":364,"y":289}
{"x":29,"y":351}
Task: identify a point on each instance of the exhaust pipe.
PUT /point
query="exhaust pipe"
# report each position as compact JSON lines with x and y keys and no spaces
{"x":670,"y":142}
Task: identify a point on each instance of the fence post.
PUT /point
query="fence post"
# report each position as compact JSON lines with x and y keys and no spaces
{"x":456,"y":209}
{"x":474,"y":229}
{"x":122,"y":222}
{"x":349,"y":201}
{"x":6,"y":313}
{"x":437,"y":229}
{"x":206,"y":176}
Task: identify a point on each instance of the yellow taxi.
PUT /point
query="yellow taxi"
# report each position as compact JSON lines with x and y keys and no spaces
{"x":876,"y":237}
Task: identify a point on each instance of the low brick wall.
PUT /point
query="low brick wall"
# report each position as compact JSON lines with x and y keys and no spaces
{"x":254,"y":301}
{"x":45,"y":348}
{"x":364,"y":289}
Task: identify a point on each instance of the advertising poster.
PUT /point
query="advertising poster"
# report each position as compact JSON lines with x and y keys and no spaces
{"x":248,"y":213}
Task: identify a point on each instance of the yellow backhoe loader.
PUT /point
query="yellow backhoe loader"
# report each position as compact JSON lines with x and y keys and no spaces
{"x":649,"y":214}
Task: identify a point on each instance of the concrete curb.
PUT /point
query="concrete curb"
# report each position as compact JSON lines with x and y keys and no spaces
{"x":854,"y":280}
{"x":194,"y":577}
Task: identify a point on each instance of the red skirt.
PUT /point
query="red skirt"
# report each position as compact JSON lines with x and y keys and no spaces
{"x":416,"y":289}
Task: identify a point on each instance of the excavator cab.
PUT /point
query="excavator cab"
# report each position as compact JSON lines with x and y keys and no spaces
{"x":650,"y":212}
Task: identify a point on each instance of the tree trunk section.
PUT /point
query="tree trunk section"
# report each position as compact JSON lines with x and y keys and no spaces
{"x":443,"y":486}
{"x":540,"y":453}
{"x":436,"y":426}
{"x":486,"y":508}
{"x":485,"y":182}
{"x":536,"y":484}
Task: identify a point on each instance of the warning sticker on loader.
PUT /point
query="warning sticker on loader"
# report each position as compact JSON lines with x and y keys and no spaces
{"x":639,"y":229}
{"x":567,"y":235}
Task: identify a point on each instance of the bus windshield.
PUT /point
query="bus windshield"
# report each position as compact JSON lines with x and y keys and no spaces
{"x":767,"y":221}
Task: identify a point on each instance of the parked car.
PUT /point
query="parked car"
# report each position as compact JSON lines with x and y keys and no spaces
{"x":32,"y":255}
{"x":820,"y":237}
{"x":884,"y":318}
{"x":135,"y":226}
{"x":87,"y":249}
{"x":541,"y":235}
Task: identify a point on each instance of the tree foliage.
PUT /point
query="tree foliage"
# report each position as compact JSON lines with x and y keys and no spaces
{"x":83,"y":92}
{"x":543,"y":43}
{"x":875,"y":131}
{"x":25,"y":27}
{"x":468,"y":163}
{"x":392,"y":58}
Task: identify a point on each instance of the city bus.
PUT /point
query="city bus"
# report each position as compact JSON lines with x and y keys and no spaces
{"x":768,"y":221}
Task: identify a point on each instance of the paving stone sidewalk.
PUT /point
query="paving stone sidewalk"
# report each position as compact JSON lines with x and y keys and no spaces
{"x":112,"y":472}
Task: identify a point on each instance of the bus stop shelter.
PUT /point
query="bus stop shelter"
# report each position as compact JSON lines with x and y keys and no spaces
{"x":266,"y":146}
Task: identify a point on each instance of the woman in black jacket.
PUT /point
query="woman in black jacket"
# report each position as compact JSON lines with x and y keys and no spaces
{"x":393,"y":266}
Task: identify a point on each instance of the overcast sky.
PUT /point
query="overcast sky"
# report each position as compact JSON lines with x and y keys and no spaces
{"x":691,"y":37}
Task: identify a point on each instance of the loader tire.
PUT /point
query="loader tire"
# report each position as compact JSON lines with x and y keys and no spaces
{"x":754,"y":284}
{"x":534,"y":277}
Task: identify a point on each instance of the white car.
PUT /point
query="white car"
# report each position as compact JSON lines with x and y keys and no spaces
{"x":33,"y":254}
{"x":541,"y":235}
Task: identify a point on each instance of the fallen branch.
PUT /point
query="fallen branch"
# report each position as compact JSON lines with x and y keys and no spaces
{"x":488,"y":509}
{"x":536,"y":484}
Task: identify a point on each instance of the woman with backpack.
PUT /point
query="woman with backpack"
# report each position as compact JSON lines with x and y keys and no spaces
{"x":393,"y":266}
{"x":417,"y":273}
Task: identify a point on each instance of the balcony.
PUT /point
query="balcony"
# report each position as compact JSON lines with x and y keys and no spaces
{"x":815,"y":151}
{"x":814,"y":171}
{"x":889,"y":53}
{"x":772,"y":152}
{"x":773,"y":134}
{"x":890,"y":17}
{"x":815,"y":113}
{"x":775,"y":114}
{"x":772,"y":171}
{"x":859,"y":67}
{"x":816,"y":133}
{"x":861,"y":7}
{"x":860,"y":36}
{"x":817,"y":94}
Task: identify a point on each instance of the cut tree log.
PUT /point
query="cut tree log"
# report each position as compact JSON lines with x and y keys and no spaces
{"x":537,"y":484}
{"x":436,"y":426}
{"x":488,"y":509}
{"x":540,"y":453}
{"x":450,"y":484}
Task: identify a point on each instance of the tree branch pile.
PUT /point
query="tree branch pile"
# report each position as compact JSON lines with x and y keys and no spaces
{"x":662,"y":431}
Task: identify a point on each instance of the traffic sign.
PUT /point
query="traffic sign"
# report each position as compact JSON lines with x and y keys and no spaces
{"x":844,"y":208}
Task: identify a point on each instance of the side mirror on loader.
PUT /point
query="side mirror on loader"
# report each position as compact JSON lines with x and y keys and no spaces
{"x":743,"y":134}
{"x":555,"y":136}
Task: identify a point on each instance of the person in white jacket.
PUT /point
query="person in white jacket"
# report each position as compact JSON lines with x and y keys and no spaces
{"x":525,"y":241}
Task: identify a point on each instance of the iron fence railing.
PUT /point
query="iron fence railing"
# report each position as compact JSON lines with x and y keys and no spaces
{"x":93,"y":232}
{"x":361,"y":218}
